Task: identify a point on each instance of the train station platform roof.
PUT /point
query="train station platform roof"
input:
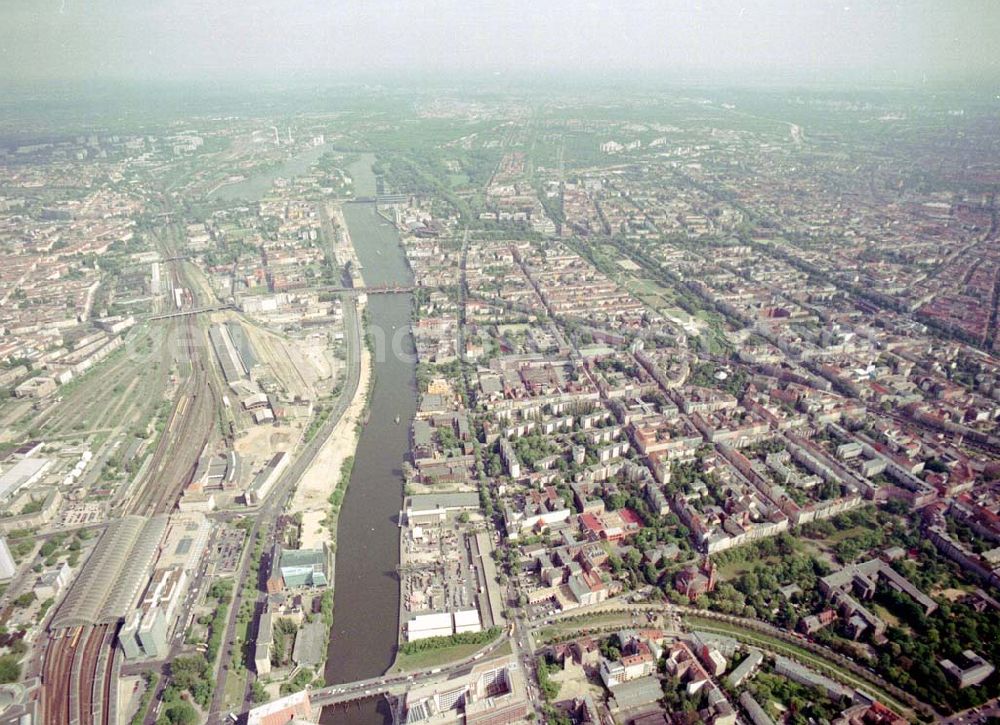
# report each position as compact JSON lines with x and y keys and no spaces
{"x":111,"y":578}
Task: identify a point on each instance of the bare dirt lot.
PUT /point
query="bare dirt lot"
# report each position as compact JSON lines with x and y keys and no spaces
{"x":317,"y":484}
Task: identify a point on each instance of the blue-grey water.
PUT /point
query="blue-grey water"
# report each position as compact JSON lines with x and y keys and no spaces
{"x":366,"y":586}
{"x":256,"y":187}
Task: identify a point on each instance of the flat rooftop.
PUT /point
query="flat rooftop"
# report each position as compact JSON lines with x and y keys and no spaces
{"x":432,"y":501}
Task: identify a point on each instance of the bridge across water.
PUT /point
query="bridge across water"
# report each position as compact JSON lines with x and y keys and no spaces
{"x":398,"y":684}
{"x":381,"y":199}
{"x":375,"y":289}
{"x":383,"y":289}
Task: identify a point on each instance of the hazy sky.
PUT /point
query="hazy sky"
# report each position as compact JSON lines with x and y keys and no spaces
{"x":904,"y":40}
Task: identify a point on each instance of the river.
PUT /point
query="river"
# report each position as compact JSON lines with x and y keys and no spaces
{"x":366,"y":584}
{"x":256,"y":187}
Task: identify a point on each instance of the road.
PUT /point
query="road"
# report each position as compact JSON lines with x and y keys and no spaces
{"x":189,"y":312}
{"x":523,"y":646}
{"x":398,"y":683}
{"x":975,"y":715}
{"x":275,"y":503}
{"x":847,"y":669}
{"x":519,"y":637}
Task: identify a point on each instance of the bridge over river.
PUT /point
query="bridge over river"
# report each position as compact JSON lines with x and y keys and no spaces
{"x":397,"y":684}
{"x":379,"y":289}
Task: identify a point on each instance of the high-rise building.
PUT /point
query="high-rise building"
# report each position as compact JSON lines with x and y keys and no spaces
{"x":494,"y":692}
{"x":153,"y":633}
{"x":128,"y":635}
{"x":144,"y":633}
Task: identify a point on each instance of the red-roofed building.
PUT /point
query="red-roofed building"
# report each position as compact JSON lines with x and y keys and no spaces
{"x":611,"y":525}
{"x":640,"y":662}
{"x":695,"y":581}
{"x":590,"y":525}
{"x":630,"y":518}
{"x":279,"y":712}
{"x":874,"y":714}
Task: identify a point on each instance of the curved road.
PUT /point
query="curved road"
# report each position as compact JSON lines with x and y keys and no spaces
{"x":753,"y":625}
{"x":268,"y":513}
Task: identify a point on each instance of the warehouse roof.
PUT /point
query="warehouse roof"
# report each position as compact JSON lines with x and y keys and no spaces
{"x":21,"y":473}
{"x":435,"y":621}
{"x":433,"y":501}
{"x":640,"y":691}
{"x":466,"y":617}
{"x":302,"y":557}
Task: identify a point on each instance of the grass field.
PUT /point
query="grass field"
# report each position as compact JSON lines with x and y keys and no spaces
{"x":651,"y":293}
{"x":734,"y":569}
{"x":823,"y":548}
{"x":891,"y":619}
{"x":678,"y":313}
{"x":235,"y":686}
{"x":641,"y":285}
{"x":434,"y":657}
{"x":559,"y":627}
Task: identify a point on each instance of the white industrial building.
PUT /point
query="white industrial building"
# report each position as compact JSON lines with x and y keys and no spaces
{"x":23,"y":473}
{"x":467,"y":620}
{"x":266,"y":478}
{"x":50,"y":584}
{"x":144,"y":633}
{"x":443,"y":624}
{"x":429,"y":625}
{"x":7,"y":566}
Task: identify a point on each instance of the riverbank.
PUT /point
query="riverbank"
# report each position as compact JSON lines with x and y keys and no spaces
{"x":312,"y":496}
{"x":260,"y":181}
{"x":225,"y":182}
{"x":321,"y":479}
{"x":365,"y":629}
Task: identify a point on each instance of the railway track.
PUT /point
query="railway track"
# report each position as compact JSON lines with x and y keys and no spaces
{"x":192,"y":420}
{"x":185,"y":437}
{"x":71,"y":673}
{"x":56,"y":675}
{"x":78,"y":669}
{"x":88,"y":657}
{"x":109,"y":679}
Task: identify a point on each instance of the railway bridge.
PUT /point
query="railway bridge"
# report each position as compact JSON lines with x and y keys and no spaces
{"x":383,"y":289}
{"x":378,"y":289}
